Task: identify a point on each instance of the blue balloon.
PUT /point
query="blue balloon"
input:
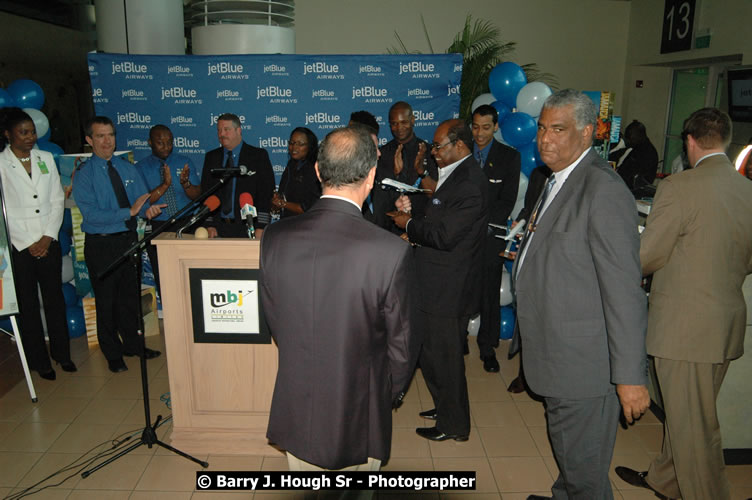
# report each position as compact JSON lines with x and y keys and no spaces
{"x":27,"y":94}
{"x":52,"y":148}
{"x":518,"y":129}
{"x":69,"y":294}
{"x":501,"y":109}
{"x":6,"y":101}
{"x":508,"y":319}
{"x":67,"y":221}
{"x":527,"y":158}
{"x":76,"y":321}
{"x":505,"y":82}
{"x":65,"y":242}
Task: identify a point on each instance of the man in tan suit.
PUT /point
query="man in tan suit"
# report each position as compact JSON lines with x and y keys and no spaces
{"x":698,"y":243}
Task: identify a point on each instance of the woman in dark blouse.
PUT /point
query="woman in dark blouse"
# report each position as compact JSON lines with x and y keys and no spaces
{"x":299,"y":187}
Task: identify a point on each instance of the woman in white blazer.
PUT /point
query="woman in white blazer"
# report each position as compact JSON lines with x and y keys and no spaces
{"x":34,"y":207}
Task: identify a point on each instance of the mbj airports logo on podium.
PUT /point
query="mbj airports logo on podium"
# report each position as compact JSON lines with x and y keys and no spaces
{"x":230,"y":306}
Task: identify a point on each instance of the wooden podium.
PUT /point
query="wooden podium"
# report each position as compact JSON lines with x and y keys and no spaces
{"x":220,"y":393}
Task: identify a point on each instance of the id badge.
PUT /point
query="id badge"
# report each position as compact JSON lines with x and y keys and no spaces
{"x":43,"y":167}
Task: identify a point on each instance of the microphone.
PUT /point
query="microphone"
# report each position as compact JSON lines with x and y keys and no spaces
{"x":248,"y":211}
{"x":242,"y":170}
{"x":210,"y":204}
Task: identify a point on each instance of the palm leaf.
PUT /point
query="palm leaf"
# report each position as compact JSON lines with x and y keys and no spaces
{"x":480,"y":44}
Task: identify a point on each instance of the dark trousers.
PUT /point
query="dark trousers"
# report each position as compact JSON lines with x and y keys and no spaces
{"x":46,"y":272}
{"x":582,"y":434}
{"x":490,"y":310}
{"x":116,"y":294}
{"x":443,"y":365}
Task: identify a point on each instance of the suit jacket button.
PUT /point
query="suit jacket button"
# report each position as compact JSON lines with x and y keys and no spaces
{"x":35,"y":197}
{"x":37,"y":210}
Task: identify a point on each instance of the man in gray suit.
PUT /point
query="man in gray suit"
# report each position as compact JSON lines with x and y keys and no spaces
{"x":580,"y":309}
{"x":698,"y":242}
{"x":335,"y":295}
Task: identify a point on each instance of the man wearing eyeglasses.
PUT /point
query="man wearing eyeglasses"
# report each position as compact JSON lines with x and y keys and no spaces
{"x":449,"y":237}
{"x":406,"y":159}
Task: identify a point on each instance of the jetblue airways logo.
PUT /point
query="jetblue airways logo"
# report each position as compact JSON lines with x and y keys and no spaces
{"x":371,"y":94}
{"x":419,"y":93}
{"x":132,"y":70}
{"x":98,"y":96}
{"x":418,"y":69}
{"x":133,"y":118}
{"x":276,"y":95}
{"x":322,"y":70}
{"x":272,"y":142}
{"x":181,"y":95}
{"x":370,"y":69}
{"x":323,"y":118}
{"x":137,"y":143}
{"x":275,"y":69}
{"x":277,"y":121}
{"x":229,"y":95}
{"x":182,"y":121}
{"x":227,"y":71}
{"x":178,"y":70}
{"x":453,"y":90}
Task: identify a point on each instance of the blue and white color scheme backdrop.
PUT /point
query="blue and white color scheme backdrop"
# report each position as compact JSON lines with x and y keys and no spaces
{"x":272,"y":94}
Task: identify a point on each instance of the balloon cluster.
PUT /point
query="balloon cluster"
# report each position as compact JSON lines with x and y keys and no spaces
{"x":28,"y":95}
{"x":518,"y":104}
{"x":74,"y":310}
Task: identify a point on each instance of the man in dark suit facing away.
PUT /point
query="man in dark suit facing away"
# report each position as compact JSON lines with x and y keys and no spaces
{"x":335,"y":295}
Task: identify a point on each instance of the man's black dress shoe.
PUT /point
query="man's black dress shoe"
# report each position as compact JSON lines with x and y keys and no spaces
{"x":48,"y":375}
{"x":67,"y":366}
{"x":429,"y":414}
{"x":117,"y":365}
{"x":148,"y":353}
{"x":435,"y":434}
{"x":637,"y":479}
{"x":490,"y":364}
{"x":517,"y":386}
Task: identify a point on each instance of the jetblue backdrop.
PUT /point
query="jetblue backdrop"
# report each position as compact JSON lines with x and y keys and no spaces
{"x":272,"y":94}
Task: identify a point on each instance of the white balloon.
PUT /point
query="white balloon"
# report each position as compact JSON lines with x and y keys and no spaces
{"x":67,"y":268}
{"x":40,"y":121}
{"x":483,"y":99}
{"x":531,"y":97}
{"x":474,"y":325}
{"x":506,"y":288}
{"x":521,"y":190}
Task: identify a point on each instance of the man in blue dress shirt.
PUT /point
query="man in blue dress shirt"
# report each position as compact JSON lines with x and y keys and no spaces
{"x":111,"y":193}
{"x":172,"y":180}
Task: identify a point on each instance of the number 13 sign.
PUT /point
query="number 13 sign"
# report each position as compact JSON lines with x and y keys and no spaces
{"x":678,"y":25}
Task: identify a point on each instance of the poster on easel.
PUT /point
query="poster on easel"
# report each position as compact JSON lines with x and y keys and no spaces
{"x":8,"y":302}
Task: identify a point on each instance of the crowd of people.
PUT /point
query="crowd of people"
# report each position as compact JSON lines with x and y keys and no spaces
{"x":361,"y":284}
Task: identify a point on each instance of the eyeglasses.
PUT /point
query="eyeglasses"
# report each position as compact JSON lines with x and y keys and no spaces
{"x":297,"y":143}
{"x":438,"y":147}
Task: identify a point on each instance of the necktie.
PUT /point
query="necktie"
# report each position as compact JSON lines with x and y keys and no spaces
{"x":227,"y":189}
{"x":120,"y":194}
{"x":479,"y":157}
{"x":169,"y":195}
{"x":534,"y":219}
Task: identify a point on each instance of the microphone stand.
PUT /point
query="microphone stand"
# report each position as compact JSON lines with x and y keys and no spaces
{"x":133,"y":255}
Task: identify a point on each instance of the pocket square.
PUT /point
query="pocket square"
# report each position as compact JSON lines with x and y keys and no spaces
{"x":495,"y":181}
{"x":436,"y":201}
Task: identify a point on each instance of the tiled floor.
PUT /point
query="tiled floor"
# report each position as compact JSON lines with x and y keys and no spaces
{"x":508,"y":446}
